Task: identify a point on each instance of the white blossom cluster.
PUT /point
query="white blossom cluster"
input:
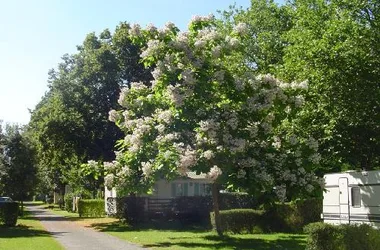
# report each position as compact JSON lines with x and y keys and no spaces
{"x":192,"y":116}
{"x":214,"y":173}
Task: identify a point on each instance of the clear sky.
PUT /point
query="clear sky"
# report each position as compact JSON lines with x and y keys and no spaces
{"x":35,"y":34}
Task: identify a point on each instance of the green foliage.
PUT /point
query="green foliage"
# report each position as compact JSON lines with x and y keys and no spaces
{"x":70,"y":125}
{"x":293,"y":216}
{"x":91,"y":208}
{"x":68,"y":198}
{"x":236,"y":200}
{"x":17,"y":164}
{"x":240,"y":220}
{"x":343,"y":237}
{"x":9,"y":213}
{"x":334,"y":44}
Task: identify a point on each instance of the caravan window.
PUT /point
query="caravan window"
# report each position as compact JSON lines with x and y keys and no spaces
{"x":355,"y":195}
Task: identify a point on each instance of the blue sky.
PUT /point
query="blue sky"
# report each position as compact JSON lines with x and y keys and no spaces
{"x":35,"y":34}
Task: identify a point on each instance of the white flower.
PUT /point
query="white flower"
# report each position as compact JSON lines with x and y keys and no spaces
{"x":113,"y":115}
{"x":208,"y":154}
{"x":241,"y":28}
{"x":165,"y":116}
{"x":138,"y":85}
{"x":216,"y":51}
{"x":123,"y":94}
{"x":146,"y":168}
{"x":214,"y":173}
{"x":151,"y":28}
{"x":276,"y":142}
{"x":109,"y":180}
{"x":299,"y":101}
{"x":135,"y":30}
{"x":109,"y":166}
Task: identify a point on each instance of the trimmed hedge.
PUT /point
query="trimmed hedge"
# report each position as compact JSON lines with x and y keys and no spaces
{"x":241,"y":220}
{"x":293,"y":216}
{"x":9,"y":213}
{"x":342,"y":237}
{"x":68,"y":198}
{"x":91,"y":208}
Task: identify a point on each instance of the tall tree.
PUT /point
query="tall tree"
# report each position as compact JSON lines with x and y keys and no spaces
{"x":206,"y":111}
{"x":335,"y":45}
{"x":70,"y":124}
{"x":17,"y":168}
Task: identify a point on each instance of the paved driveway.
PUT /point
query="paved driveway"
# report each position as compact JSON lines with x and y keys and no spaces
{"x":75,"y":237}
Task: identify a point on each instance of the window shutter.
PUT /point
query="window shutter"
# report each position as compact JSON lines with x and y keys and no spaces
{"x":196,"y":189}
{"x":186,"y":189}
{"x":173,"y":189}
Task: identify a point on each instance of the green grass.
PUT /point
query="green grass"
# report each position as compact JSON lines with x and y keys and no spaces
{"x":27,"y":234}
{"x":174,"y":236}
{"x":201,"y":239}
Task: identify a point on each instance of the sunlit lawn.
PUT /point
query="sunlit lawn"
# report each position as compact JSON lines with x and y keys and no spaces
{"x":201,"y":239}
{"x":28,"y":234}
{"x":177,"y":237}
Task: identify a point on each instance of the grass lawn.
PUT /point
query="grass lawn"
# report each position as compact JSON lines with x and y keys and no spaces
{"x":202,"y":239}
{"x":27,"y":234}
{"x":175,"y":237}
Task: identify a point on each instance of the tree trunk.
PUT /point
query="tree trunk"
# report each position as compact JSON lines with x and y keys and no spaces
{"x":215,"y":199}
{"x":22,"y":207}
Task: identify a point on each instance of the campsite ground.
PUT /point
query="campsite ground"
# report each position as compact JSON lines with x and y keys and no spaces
{"x":177,"y":237}
{"x":29,"y":234}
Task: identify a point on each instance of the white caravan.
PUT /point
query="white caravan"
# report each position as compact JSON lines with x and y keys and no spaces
{"x":352,"y":197}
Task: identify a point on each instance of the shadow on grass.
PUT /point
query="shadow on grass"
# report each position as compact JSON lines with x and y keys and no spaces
{"x":230,"y":242}
{"x":153,"y":225}
{"x":21,"y":231}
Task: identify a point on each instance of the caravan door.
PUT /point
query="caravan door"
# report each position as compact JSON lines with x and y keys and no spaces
{"x":343,"y":201}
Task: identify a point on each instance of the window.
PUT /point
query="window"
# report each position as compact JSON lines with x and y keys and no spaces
{"x":179,"y":189}
{"x":205,"y":189}
{"x":355,"y":197}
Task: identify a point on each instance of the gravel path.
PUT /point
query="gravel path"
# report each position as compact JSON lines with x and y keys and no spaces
{"x":75,"y":237}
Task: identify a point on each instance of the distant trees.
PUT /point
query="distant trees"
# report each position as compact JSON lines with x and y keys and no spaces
{"x":18,"y":171}
{"x":70,"y":125}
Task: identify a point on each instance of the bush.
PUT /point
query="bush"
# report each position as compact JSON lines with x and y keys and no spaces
{"x":240,"y":220}
{"x":343,"y":237}
{"x":9,"y":213}
{"x":68,"y":198}
{"x":91,"y":208}
{"x":229,"y":201}
{"x":131,"y":209}
{"x":293,"y":216}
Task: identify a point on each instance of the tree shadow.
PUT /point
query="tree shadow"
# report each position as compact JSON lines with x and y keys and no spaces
{"x":217,"y":242}
{"x":174,"y":226}
{"x":21,"y":231}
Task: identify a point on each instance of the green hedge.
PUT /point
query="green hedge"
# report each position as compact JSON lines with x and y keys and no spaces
{"x":68,"y":198}
{"x":9,"y":213}
{"x":293,"y":216}
{"x":343,"y":237}
{"x":240,"y":220}
{"x":91,"y":208}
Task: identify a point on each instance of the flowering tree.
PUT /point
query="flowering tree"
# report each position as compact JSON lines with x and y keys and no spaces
{"x":207,"y":112}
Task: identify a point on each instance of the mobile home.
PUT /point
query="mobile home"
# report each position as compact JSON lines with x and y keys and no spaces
{"x":352,"y":197}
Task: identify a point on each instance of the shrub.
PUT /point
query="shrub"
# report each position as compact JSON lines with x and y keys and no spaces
{"x":9,"y":213}
{"x":131,"y":209}
{"x":91,"y":208}
{"x":293,"y":216}
{"x":229,"y":201}
{"x":68,"y":198}
{"x":342,"y":237}
{"x":240,"y":220}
